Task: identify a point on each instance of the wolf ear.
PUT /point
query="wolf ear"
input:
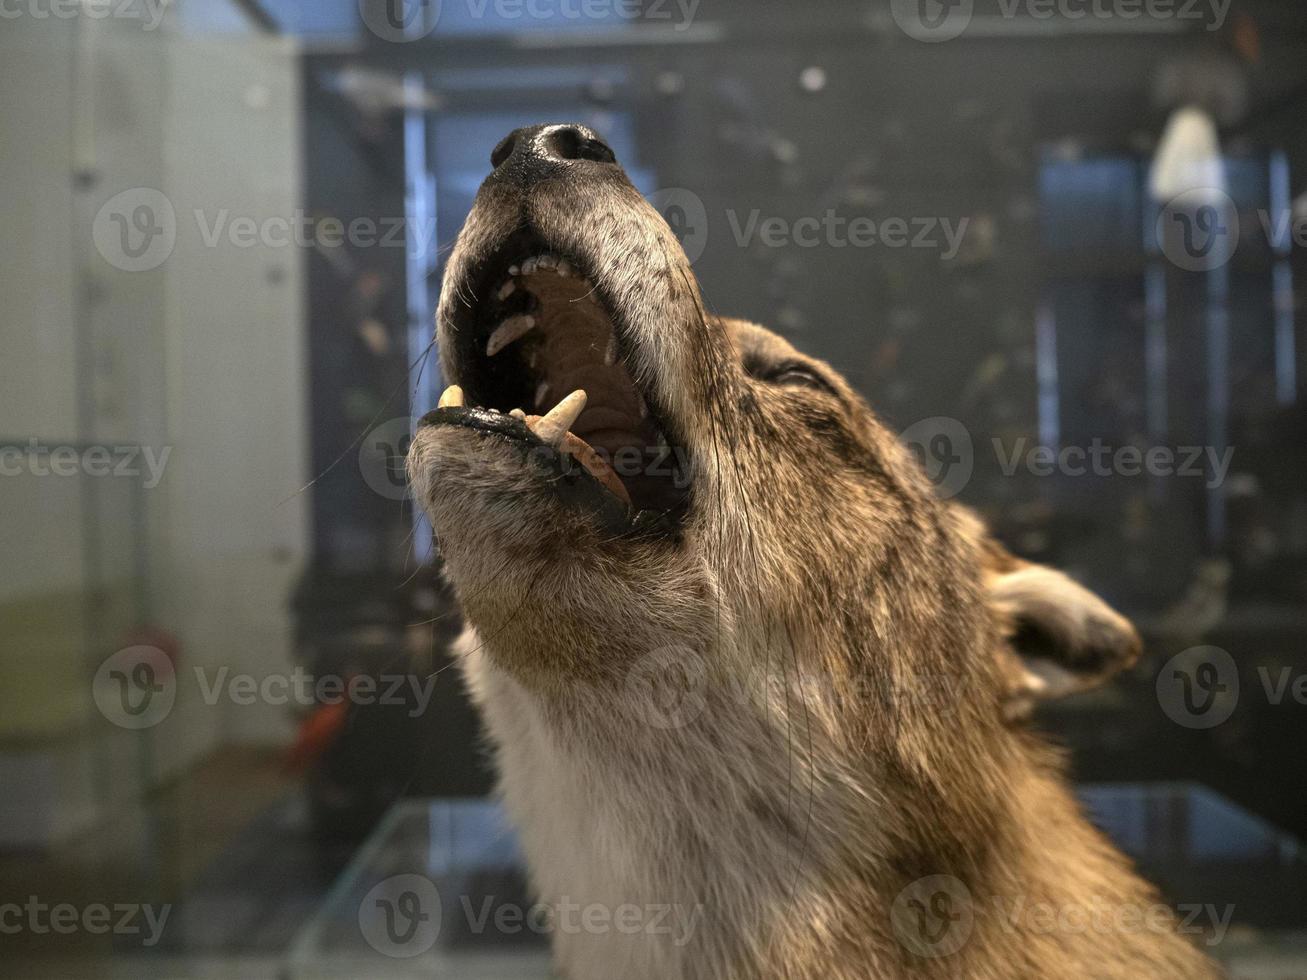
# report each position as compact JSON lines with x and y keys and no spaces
{"x":1062,"y":638}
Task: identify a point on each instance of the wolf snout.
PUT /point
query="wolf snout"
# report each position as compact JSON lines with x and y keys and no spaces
{"x":533,"y":152}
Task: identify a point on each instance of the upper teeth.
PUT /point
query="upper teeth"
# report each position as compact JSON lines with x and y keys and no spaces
{"x":517,"y":326}
{"x":509,"y":331}
{"x":537,"y":263}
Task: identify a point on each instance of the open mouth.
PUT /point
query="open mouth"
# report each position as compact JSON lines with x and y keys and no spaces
{"x":539,"y":358}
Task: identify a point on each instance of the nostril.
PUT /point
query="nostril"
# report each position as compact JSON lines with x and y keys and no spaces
{"x":503,"y":151}
{"x":570,"y":143}
{"x":533,"y":152}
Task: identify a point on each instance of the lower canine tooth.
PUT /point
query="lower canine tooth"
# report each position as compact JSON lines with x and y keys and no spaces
{"x":517,"y":413}
{"x":552,"y":427}
{"x":506,"y":290}
{"x":452,"y":397}
{"x":510,"y":330}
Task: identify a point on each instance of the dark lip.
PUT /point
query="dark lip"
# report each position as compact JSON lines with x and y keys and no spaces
{"x":573,"y":484}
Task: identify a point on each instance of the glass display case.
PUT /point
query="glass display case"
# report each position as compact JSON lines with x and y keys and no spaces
{"x":439,"y":892}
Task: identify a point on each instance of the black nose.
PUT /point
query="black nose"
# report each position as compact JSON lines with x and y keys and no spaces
{"x":533,"y":152}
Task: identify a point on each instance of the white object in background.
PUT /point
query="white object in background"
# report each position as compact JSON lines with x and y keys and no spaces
{"x":1188,"y":158}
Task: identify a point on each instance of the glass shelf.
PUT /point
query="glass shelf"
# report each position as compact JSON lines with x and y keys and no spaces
{"x":438,"y":890}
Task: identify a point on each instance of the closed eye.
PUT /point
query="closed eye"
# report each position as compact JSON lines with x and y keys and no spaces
{"x":799,"y":375}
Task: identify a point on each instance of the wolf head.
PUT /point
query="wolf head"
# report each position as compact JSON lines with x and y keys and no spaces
{"x":716,"y":501}
{"x":735,"y":655}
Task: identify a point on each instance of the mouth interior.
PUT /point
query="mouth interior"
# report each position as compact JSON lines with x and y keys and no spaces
{"x":543,"y":330}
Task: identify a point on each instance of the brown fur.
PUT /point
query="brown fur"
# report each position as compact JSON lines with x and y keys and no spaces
{"x":840,"y":641}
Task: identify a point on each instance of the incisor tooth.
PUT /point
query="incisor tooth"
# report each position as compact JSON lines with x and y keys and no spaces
{"x":452,"y":397}
{"x":510,"y":330}
{"x":552,"y":427}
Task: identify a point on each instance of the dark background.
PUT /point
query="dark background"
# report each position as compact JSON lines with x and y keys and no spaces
{"x":1040,"y":133}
